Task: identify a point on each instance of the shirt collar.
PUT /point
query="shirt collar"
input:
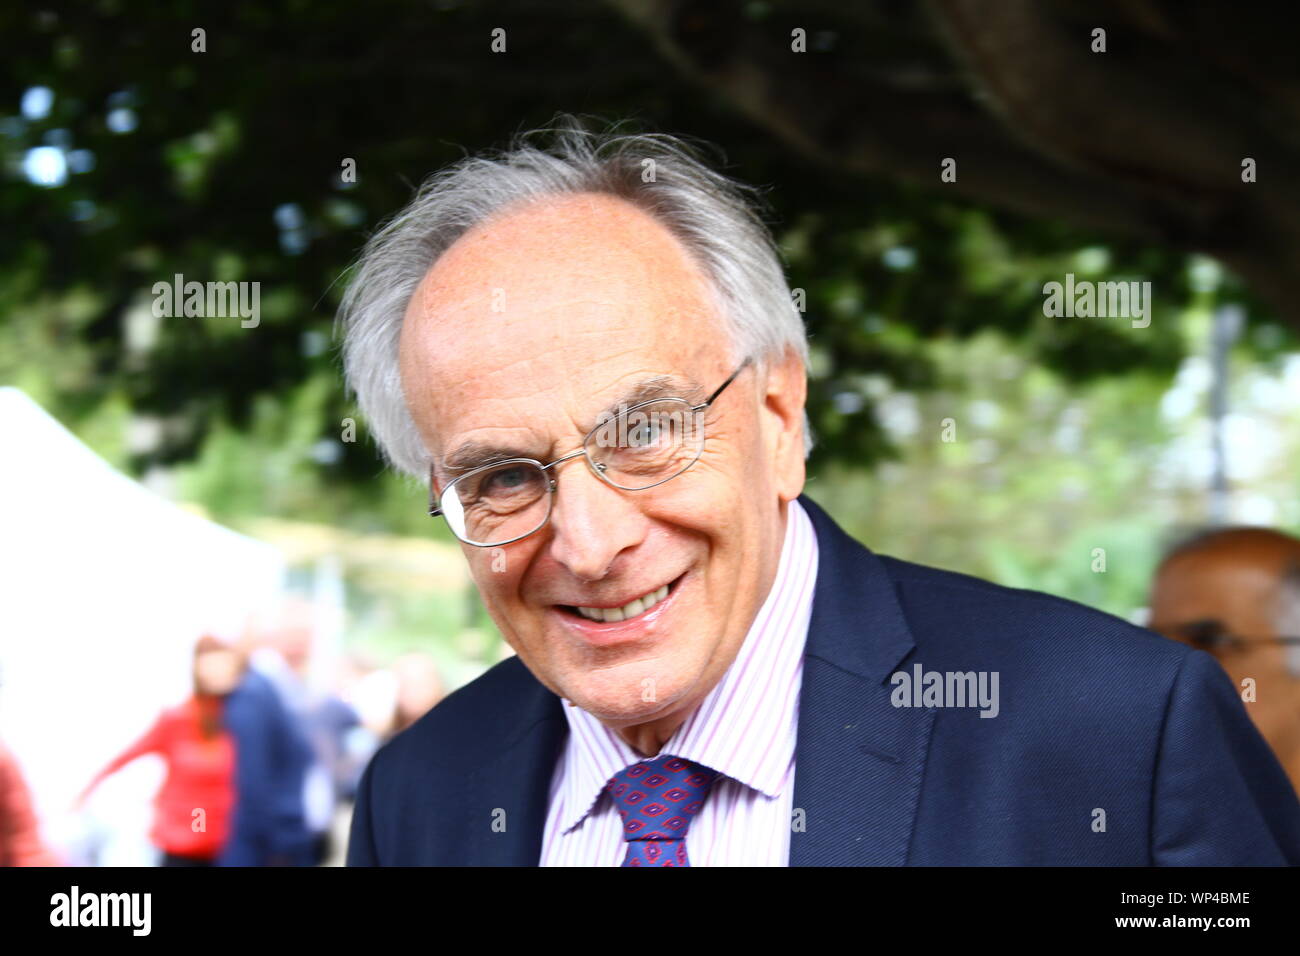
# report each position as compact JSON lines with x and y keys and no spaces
{"x":745,"y":727}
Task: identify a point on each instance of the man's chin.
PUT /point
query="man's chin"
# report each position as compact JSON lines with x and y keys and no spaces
{"x":639,"y":702}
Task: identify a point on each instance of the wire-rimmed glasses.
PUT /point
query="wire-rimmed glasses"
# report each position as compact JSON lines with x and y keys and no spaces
{"x":638,"y":447}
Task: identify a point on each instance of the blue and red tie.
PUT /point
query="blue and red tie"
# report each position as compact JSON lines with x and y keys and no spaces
{"x":657,"y":800}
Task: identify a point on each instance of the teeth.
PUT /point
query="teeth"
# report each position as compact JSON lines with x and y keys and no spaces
{"x":632,"y":609}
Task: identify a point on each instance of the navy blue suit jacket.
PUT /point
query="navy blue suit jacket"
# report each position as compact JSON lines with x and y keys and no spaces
{"x":1112,"y":745}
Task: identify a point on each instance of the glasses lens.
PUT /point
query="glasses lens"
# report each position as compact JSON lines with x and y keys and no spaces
{"x":647,"y":444}
{"x":1209,"y":634}
{"x":497,"y":504}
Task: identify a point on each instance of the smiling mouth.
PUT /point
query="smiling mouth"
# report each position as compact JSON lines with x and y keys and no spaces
{"x":612,"y":615}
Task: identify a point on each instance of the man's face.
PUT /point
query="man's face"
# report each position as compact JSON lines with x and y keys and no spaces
{"x":1237,"y":587}
{"x":519,"y":337}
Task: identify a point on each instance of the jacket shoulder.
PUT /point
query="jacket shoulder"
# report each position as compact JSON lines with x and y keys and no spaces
{"x":947,"y":607}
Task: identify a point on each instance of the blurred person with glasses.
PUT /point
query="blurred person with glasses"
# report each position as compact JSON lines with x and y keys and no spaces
{"x":1235,"y":593}
{"x":587,"y":346}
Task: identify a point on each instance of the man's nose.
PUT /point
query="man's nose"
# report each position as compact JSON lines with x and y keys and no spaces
{"x":592,"y":523}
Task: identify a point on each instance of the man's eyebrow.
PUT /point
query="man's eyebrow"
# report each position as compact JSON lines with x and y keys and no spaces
{"x":660,"y":386}
{"x":474,"y":454}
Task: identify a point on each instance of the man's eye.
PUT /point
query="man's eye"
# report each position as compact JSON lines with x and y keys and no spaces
{"x":642,"y":435}
{"x":504,"y":481}
{"x":646,"y":431}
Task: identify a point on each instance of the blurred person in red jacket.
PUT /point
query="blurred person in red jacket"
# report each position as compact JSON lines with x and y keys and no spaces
{"x":193,"y":806}
{"x":20,"y":836}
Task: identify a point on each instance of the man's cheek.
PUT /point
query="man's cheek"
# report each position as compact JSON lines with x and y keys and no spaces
{"x":495,"y":571}
{"x":699,"y":503}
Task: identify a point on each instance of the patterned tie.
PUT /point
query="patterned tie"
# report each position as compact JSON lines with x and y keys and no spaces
{"x":657,"y":800}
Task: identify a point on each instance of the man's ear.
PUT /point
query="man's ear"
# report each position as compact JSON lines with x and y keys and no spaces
{"x":784,"y":397}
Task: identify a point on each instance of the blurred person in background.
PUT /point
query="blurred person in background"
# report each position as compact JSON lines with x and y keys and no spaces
{"x":286,"y":639}
{"x":332,"y":722}
{"x":192,"y":808}
{"x":20,"y":833}
{"x":373,"y":705}
{"x":419,"y":688}
{"x":370,"y":692}
{"x":273,"y":753}
{"x":1235,"y":592}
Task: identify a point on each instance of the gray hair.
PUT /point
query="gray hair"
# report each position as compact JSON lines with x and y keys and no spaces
{"x":713,"y":216}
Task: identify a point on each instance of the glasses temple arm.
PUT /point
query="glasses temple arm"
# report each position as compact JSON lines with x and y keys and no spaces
{"x":721,"y":388}
{"x":434,"y":510}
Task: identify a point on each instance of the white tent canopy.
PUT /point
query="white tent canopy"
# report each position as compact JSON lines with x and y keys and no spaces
{"x":104,"y":588}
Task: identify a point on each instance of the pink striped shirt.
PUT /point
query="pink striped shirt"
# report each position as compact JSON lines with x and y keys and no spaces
{"x":745,"y":729}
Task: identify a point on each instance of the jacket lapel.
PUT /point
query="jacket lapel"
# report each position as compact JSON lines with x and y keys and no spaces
{"x":512,"y":791}
{"x":859,"y":760}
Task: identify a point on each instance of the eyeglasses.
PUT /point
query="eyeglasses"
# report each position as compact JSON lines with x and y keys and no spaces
{"x":637,"y":448}
{"x":1211,"y":635}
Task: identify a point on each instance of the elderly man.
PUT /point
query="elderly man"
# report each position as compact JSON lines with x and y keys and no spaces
{"x":1235,"y":592}
{"x":588,"y":349}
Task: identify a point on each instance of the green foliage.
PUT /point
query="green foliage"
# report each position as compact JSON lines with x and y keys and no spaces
{"x":225,"y":166}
